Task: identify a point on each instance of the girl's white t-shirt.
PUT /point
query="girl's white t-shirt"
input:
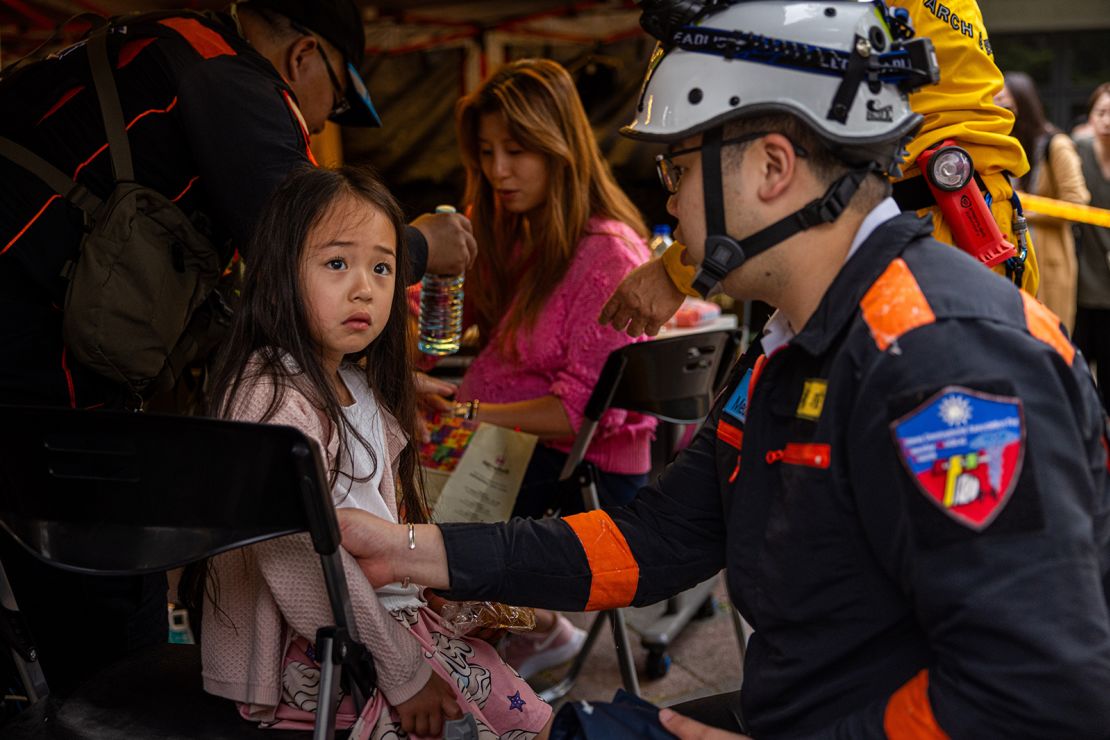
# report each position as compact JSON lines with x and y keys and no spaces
{"x":355,"y":463}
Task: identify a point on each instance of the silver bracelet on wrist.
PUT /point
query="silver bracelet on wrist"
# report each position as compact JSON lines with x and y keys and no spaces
{"x":412,"y":546}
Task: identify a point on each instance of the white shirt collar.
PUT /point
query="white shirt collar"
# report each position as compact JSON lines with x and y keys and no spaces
{"x":778,"y":331}
{"x":880,"y":214}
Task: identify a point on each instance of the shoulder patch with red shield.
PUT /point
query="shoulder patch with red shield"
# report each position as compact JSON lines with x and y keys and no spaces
{"x":964,"y":450}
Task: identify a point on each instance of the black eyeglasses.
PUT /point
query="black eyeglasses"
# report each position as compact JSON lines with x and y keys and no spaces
{"x":340,"y":104}
{"x":670,"y":174}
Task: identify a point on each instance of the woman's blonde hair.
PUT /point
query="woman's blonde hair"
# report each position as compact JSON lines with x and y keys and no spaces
{"x":543,"y":114}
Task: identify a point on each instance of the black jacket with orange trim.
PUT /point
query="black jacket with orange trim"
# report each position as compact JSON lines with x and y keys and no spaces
{"x":911,"y":499}
{"x":210,"y":122}
{"x":211,"y":125}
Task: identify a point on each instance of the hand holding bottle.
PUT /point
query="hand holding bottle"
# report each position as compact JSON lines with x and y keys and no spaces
{"x":451,"y":244}
{"x":441,"y":306}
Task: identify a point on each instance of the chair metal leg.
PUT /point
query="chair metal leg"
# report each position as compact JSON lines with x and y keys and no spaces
{"x":561,"y":689}
{"x":23,"y":653}
{"x":624,"y":653}
{"x":659,"y":625}
{"x":328,"y":699}
{"x":590,"y":496}
{"x":615,"y":617}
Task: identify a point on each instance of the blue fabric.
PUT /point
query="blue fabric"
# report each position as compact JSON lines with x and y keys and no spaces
{"x":627,"y":716}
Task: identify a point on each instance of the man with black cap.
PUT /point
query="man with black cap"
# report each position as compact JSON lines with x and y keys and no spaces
{"x":218,"y":109}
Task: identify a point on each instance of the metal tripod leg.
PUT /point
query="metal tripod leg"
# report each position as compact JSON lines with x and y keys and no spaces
{"x":22,"y":652}
{"x":624,"y":657}
{"x":624,"y":653}
{"x":561,"y":689}
{"x":616,"y":616}
{"x":588,"y":486}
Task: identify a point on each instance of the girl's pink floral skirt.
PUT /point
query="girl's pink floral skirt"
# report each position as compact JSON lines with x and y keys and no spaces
{"x":503,"y":705}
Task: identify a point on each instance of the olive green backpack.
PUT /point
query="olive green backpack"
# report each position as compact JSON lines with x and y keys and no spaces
{"x":141,"y":304}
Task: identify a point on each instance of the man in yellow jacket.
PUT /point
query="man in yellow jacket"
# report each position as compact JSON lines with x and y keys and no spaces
{"x":960,"y":107}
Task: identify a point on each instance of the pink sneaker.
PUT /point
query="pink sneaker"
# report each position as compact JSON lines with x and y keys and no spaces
{"x":529,"y":653}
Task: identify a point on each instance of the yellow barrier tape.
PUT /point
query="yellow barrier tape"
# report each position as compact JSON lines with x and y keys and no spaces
{"x":1066,"y":211}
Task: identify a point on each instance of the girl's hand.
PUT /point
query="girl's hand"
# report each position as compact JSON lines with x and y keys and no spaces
{"x":423,"y":714}
{"x":685,"y":728}
{"x":433,"y":392}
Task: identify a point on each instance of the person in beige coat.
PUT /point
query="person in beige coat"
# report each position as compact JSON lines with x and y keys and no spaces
{"x":1055,"y":172}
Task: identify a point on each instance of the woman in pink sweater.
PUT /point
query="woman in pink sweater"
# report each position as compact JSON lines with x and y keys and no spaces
{"x":556,"y":235}
{"x":314,"y":346}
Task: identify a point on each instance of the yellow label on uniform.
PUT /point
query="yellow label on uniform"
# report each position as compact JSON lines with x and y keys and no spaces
{"x":813,"y":399}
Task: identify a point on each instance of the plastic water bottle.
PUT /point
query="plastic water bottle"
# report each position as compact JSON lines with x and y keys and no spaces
{"x":660,"y":239}
{"x":441,"y":310}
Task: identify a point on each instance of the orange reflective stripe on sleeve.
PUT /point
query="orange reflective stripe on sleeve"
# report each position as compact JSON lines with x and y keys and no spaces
{"x":615,"y":573}
{"x":204,"y":40}
{"x":909,"y":716}
{"x":1044,"y":325}
{"x":894,"y":305}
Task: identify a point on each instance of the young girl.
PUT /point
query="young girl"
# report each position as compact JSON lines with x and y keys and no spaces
{"x":314,"y":346}
{"x":555,"y":237}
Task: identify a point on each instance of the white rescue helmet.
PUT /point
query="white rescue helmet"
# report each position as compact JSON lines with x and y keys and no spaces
{"x":844,"y":67}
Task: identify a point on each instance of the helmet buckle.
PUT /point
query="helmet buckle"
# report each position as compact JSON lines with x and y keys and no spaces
{"x":829,"y":210}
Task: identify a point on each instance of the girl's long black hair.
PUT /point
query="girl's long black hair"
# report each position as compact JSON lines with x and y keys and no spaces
{"x":272,"y":323}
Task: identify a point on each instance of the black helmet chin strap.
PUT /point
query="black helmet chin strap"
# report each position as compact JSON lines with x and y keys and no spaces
{"x":723,"y":254}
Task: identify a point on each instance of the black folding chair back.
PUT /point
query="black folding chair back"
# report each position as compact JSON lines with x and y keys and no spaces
{"x":116,"y":493}
{"x":672,"y":379}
